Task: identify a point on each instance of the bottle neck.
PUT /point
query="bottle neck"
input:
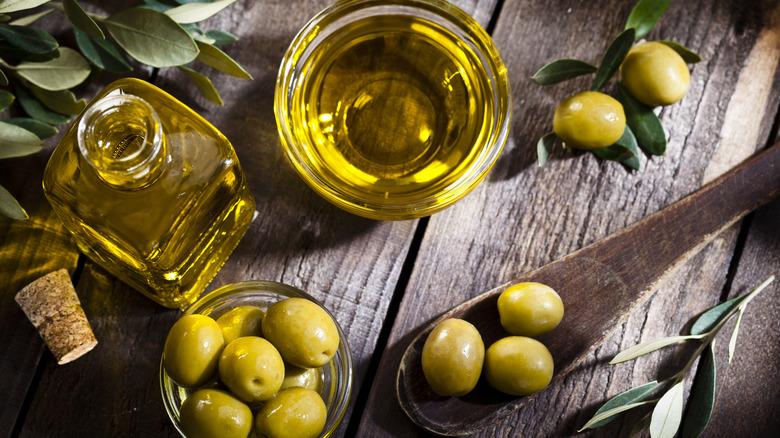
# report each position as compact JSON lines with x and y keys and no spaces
{"x":121,"y":137}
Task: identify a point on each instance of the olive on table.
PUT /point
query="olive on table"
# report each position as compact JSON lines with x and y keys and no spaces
{"x":452,"y":357}
{"x":518,"y":365}
{"x":292,"y":413}
{"x":655,"y":74}
{"x":251,"y":368}
{"x":241,"y":321}
{"x":305,"y":335}
{"x":589,"y":120}
{"x":192,"y":349}
{"x":303,"y":377}
{"x":211,"y":413}
{"x":529,"y":309}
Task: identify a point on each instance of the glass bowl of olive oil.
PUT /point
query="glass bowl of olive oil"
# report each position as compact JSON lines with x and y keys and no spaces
{"x":392,"y":109}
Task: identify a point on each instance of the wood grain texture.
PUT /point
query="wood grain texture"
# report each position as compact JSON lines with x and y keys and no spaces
{"x":524,"y":217}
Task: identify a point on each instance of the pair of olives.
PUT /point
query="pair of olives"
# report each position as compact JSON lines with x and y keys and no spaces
{"x":454,"y":355}
{"x":652,"y":72}
{"x":249,"y":358}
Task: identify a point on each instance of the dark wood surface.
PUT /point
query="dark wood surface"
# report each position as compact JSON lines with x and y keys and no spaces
{"x":386,"y":280}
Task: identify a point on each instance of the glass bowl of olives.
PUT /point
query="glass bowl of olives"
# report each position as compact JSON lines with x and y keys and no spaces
{"x":240,"y":312}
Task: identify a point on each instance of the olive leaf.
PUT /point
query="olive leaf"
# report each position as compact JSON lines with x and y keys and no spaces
{"x":36,"y":109}
{"x":66,"y":71}
{"x":197,"y":11}
{"x":643,"y":424}
{"x":733,"y":339}
{"x":609,"y":415}
{"x":212,"y":56}
{"x":221,"y":37}
{"x":203,"y":84}
{"x":650,"y":134}
{"x":687,"y":55}
{"x":151,"y":37}
{"x":80,"y":19}
{"x":6,"y":99}
{"x":9,"y":207}
{"x":17,"y":142}
{"x":544,"y":147}
{"x":649,"y":347}
{"x":633,"y":396}
{"x":645,"y":15}
{"x":708,"y":320}
{"x":624,"y":150}
{"x":28,"y":39}
{"x":701,"y":401}
{"x":561,"y":70}
{"x":101,"y":52}
{"x":40,"y":129}
{"x":3,"y":78}
{"x":613,"y":57}
{"x":30,"y":19}
{"x":63,"y":101}
{"x":667,"y":413}
{"x":7,"y":6}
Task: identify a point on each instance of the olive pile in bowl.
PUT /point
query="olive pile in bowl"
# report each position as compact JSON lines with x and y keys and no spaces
{"x":256,"y":357}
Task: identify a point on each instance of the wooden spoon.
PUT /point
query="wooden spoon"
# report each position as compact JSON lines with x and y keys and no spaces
{"x":600,"y":286}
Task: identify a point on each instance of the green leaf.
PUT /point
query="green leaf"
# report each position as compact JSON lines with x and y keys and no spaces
{"x":701,"y":401}
{"x":645,"y":15}
{"x":102,"y":53}
{"x":613,"y":57}
{"x":9,"y":51}
{"x":645,"y":124}
{"x":199,"y":11}
{"x":67,"y":71}
{"x":9,"y":207}
{"x":17,"y":142}
{"x":80,"y":19}
{"x":667,"y":413}
{"x":712,"y":317}
{"x":4,"y":18}
{"x":40,"y":129}
{"x":649,"y":347}
{"x":733,"y":339}
{"x":63,"y":101}
{"x":7,"y":6}
{"x":561,"y":70}
{"x":212,"y":56}
{"x":221,"y":37}
{"x":630,"y":397}
{"x":203,"y":84}
{"x":151,"y":37}
{"x":32,"y":18}
{"x":625,"y":150}
{"x":28,"y":39}
{"x":643,"y":424}
{"x":687,"y":55}
{"x":544,"y":147}
{"x":6,"y":99}
{"x":609,"y":415}
{"x":3,"y":78}
{"x":37,"y":110}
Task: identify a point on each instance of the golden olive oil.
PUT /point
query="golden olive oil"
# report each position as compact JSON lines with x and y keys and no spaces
{"x":392,"y":108}
{"x":151,"y":191}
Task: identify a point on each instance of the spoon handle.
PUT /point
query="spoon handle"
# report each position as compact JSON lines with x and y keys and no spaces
{"x":600,"y":285}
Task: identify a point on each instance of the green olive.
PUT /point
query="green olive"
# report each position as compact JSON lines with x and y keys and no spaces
{"x":589,"y":120}
{"x":292,"y":413}
{"x":192,"y":350}
{"x":529,"y":309}
{"x":452,"y":357}
{"x":518,"y":365}
{"x":655,"y":74}
{"x":251,"y":368}
{"x":241,"y":321}
{"x":303,"y":377}
{"x":304,"y":333}
{"x":211,"y":413}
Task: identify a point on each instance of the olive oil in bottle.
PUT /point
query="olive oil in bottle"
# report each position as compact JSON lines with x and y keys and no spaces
{"x":150,"y":190}
{"x":393,"y":107}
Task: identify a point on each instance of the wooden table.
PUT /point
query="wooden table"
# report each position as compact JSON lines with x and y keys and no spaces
{"x":384,"y":280}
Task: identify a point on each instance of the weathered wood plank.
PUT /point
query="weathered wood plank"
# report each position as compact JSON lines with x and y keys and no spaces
{"x":524,"y":217}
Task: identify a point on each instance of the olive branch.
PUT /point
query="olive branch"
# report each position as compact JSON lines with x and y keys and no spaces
{"x":668,"y":414}
{"x":643,"y":127}
{"x":40,"y":73}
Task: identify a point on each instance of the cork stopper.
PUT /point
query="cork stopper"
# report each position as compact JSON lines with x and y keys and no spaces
{"x":53,"y":307}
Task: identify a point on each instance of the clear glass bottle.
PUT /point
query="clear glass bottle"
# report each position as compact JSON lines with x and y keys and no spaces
{"x":151,"y":191}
